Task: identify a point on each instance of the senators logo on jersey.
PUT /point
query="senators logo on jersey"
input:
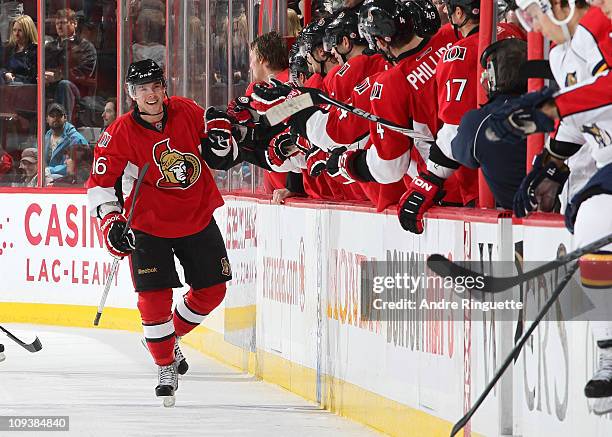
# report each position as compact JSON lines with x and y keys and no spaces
{"x":455,"y":53}
{"x":179,"y":170}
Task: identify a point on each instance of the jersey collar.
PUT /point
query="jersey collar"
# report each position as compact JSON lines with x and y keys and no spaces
{"x":137,"y":117}
{"x":413,"y":51}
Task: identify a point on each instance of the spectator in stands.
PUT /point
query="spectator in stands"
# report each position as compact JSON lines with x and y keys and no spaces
{"x":110,"y":112}
{"x":293,"y":23}
{"x":19,"y":67}
{"x":78,"y":159}
{"x":150,"y":34}
{"x":60,"y":137}
{"x":70,"y":63}
{"x":29,"y":166}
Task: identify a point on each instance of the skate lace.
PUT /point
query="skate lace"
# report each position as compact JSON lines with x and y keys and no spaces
{"x":167,"y":375}
{"x":604,"y":372}
{"x":178,"y":355}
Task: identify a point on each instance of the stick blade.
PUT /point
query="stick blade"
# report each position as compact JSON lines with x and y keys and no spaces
{"x":458,"y":426}
{"x":283,"y":111}
{"x":35,"y":346}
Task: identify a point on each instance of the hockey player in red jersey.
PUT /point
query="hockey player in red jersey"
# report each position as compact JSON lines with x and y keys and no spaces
{"x":457,"y":84}
{"x":173,"y":215}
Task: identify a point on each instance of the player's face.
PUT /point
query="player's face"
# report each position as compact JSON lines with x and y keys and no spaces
{"x":257,"y":67}
{"x":540,"y":22}
{"x":65,"y":28}
{"x":605,"y":5}
{"x":150,"y":97}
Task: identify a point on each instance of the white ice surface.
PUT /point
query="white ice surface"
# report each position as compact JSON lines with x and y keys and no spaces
{"x":104,"y":381}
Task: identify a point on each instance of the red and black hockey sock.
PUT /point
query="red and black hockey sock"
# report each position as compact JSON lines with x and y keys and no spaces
{"x":156,"y":313}
{"x":195,"y":306}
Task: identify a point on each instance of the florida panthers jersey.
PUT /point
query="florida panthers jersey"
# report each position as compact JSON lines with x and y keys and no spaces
{"x":178,"y":195}
{"x":585,"y":55}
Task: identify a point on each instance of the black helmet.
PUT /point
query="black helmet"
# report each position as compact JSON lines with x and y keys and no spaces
{"x":144,"y":71}
{"x":470,"y":7}
{"x":502,"y":62}
{"x":425,"y":17}
{"x":346,"y":24}
{"x":312,"y":35}
{"x":298,"y":64}
{"x":386,"y":19}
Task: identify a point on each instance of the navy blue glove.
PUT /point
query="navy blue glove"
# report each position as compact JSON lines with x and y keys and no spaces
{"x":520,"y":117}
{"x":542,"y":185}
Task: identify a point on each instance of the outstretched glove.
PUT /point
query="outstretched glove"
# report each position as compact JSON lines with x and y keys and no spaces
{"x":282,"y":147}
{"x":339,"y":165}
{"x":219,"y":131}
{"x":266,"y":96}
{"x":425,"y":190}
{"x":520,"y":117}
{"x":316,"y":160}
{"x":541,"y":186}
{"x":239,"y":110}
{"x":118,"y":245}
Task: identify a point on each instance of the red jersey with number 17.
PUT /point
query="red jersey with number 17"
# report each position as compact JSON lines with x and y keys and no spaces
{"x":178,"y":194}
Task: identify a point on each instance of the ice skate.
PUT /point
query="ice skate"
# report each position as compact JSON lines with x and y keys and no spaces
{"x":600,"y":385}
{"x":179,"y":359}
{"x":168,"y":384}
{"x":2,"y":356}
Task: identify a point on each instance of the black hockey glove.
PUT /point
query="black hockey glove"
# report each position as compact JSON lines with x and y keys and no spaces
{"x":520,"y":117}
{"x":541,"y":186}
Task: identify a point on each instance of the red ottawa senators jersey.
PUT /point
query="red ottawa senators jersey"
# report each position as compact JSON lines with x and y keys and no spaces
{"x":457,"y":75}
{"x":178,"y":194}
{"x":354,"y":71}
{"x":406,"y":95}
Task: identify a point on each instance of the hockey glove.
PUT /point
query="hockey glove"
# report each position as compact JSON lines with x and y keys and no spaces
{"x":117,"y":244}
{"x":316,"y":160}
{"x":541,"y":186}
{"x":339,"y":165}
{"x":266,"y":96}
{"x":239,"y":111}
{"x":282,"y":147}
{"x":520,"y":117}
{"x":425,"y":190}
{"x":219,"y":131}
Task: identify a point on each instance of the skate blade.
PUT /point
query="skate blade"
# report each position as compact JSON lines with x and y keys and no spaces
{"x":602,"y":406}
{"x":2,"y":356}
{"x":169,"y":401}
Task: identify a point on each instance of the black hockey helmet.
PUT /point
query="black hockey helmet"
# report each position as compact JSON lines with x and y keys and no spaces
{"x":470,"y":7}
{"x":298,"y":65}
{"x":385,"y":19}
{"x":141,"y":72}
{"x":425,"y":17}
{"x":312,"y":35}
{"x":502,"y":62}
{"x":346,"y":24}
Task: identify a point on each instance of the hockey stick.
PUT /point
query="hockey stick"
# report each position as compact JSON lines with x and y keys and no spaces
{"x":282,"y":111}
{"x":514,"y":353}
{"x":35,"y":346}
{"x":115,"y":265}
{"x":442,"y":266}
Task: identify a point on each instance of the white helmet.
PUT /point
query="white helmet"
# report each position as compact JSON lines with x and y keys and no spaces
{"x":527,"y":9}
